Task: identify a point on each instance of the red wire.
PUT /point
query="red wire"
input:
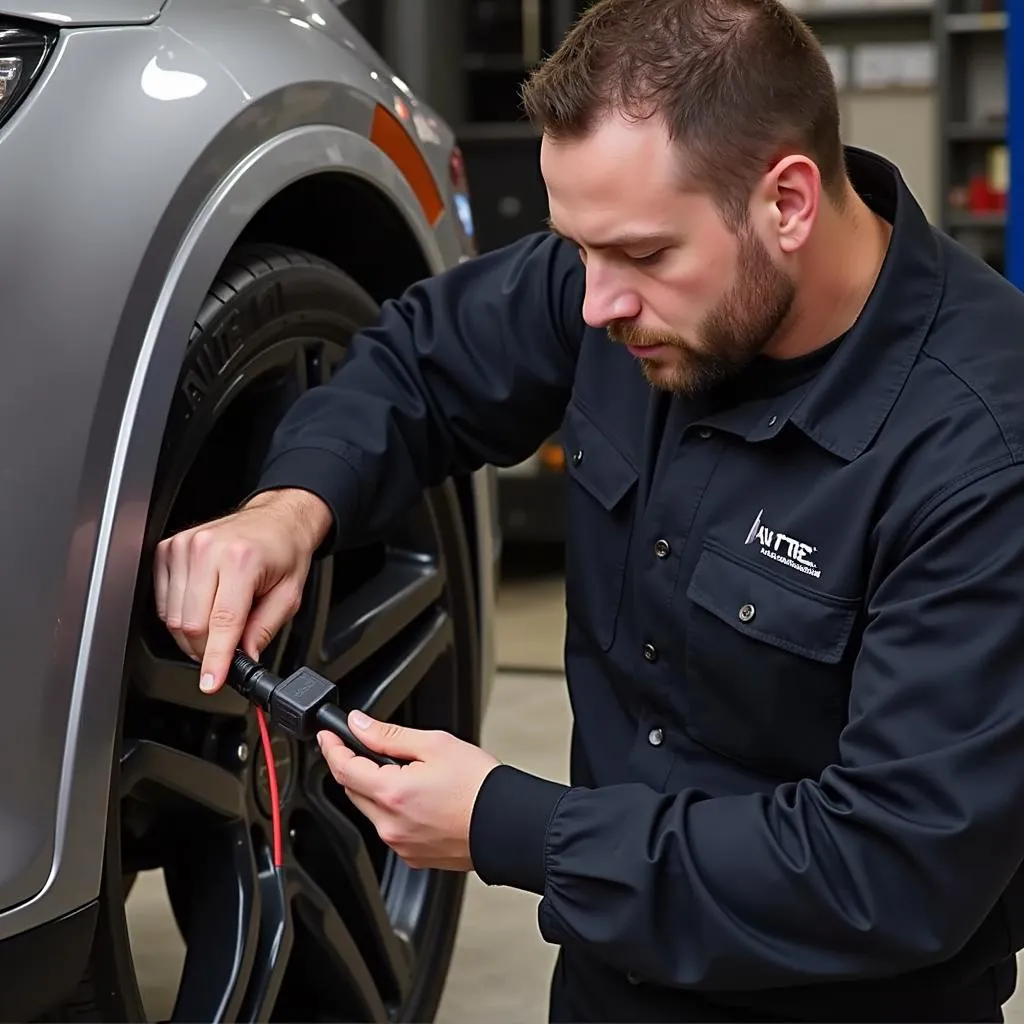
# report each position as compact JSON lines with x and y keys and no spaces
{"x":275,"y":801}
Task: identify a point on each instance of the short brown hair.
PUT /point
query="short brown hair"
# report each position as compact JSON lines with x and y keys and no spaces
{"x":737,"y":82}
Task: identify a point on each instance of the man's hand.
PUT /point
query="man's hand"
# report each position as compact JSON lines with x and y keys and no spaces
{"x":236,"y":581}
{"x":421,"y":810}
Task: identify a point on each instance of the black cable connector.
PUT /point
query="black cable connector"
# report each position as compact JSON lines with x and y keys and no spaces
{"x":301,"y":704}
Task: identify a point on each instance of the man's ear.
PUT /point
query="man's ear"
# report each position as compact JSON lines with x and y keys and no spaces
{"x":789,"y":197}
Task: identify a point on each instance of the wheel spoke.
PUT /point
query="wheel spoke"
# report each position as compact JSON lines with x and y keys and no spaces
{"x":274,"y":947}
{"x":176,"y":681}
{"x":224,"y":930}
{"x":303,"y":365}
{"x":338,"y":957}
{"x":170,"y":775}
{"x":380,"y":687}
{"x":362,"y":623}
{"x":357,"y":889}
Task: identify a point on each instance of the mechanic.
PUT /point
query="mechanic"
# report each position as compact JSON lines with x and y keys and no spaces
{"x":795,"y":557}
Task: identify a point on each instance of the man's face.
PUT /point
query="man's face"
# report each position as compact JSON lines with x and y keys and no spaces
{"x":693,"y":301}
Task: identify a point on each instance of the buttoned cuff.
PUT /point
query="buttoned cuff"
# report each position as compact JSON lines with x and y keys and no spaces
{"x":329,"y":476}
{"x":508,"y":828}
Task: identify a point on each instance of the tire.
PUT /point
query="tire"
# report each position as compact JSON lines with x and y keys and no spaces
{"x":356,"y":934}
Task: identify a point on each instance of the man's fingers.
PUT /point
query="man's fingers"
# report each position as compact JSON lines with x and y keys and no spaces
{"x":177,"y":584}
{"x":227,"y":621}
{"x":395,"y":740}
{"x":336,"y":754}
{"x":376,"y":814}
{"x":269,"y":614}
{"x":355,"y":773}
{"x":198,"y":601}
{"x":161,"y":577}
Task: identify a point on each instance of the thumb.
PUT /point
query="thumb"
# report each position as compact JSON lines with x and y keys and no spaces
{"x":388,"y":738}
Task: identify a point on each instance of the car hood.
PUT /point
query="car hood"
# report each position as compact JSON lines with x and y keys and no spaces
{"x":84,"y":12}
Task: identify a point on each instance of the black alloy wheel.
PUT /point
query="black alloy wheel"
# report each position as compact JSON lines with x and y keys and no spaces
{"x":355,"y":934}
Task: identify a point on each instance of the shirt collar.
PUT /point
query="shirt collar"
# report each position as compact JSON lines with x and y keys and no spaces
{"x":844,"y":406}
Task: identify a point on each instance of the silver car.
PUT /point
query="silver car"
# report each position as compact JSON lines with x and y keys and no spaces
{"x":200,"y":202}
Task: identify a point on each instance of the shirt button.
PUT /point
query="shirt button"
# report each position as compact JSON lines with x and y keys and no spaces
{"x":632,"y":978}
{"x":705,"y":432}
{"x":655,"y":737}
{"x":772,"y":420}
{"x":577,"y":456}
{"x":650,"y":652}
{"x":661,"y":548}
{"x":746,"y":613}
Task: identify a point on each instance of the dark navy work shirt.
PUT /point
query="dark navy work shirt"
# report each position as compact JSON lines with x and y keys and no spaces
{"x":795,"y":640}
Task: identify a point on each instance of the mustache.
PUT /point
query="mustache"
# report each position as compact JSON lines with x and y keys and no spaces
{"x":626,"y":332}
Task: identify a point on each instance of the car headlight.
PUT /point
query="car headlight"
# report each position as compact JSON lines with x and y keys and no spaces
{"x":23,"y":53}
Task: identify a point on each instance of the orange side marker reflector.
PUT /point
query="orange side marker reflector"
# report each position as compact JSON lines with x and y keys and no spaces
{"x":388,"y":134}
{"x":553,"y":457}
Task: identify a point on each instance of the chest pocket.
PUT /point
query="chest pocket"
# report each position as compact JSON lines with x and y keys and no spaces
{"x":601,"y":499}
{"x":767,"y":666}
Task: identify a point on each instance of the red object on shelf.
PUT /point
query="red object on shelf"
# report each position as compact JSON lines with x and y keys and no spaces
{"x":980,"y":197}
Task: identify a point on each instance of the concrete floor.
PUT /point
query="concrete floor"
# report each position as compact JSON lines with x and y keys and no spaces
{"x":501,"y":967}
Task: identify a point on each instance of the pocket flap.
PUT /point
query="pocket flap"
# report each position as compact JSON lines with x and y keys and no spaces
{"x":775,"y":611}
{"x":593,"y":461}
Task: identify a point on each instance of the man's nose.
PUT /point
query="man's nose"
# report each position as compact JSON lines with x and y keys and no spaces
{"x":605,"y":301}
{"x":601,"y":306}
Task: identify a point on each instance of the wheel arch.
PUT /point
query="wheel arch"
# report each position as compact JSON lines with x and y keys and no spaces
{"x":289,"y":160}
{"x":349,"y":221}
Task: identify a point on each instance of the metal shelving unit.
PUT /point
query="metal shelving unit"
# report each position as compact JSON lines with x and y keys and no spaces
{"x":847,"y":26}
{"x":503,"y":41}
{"x":974,"y":88}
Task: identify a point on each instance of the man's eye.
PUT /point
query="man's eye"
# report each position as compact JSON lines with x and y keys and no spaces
{"x":650,"y":259}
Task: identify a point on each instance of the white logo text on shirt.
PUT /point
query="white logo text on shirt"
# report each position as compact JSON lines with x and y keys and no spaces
{"x":781,"y":548}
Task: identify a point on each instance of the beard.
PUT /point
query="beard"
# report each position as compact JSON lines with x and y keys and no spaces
{"x":730,"y":337}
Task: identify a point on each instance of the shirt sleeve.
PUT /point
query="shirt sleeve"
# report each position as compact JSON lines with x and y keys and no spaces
{"x":888,"y":862}
{"x":470,"y":367}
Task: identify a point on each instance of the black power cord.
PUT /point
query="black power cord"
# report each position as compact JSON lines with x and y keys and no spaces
{"x":301,"y":704}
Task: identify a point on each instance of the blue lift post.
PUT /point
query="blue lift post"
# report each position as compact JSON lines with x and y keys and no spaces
{"x":1014,"y":39}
